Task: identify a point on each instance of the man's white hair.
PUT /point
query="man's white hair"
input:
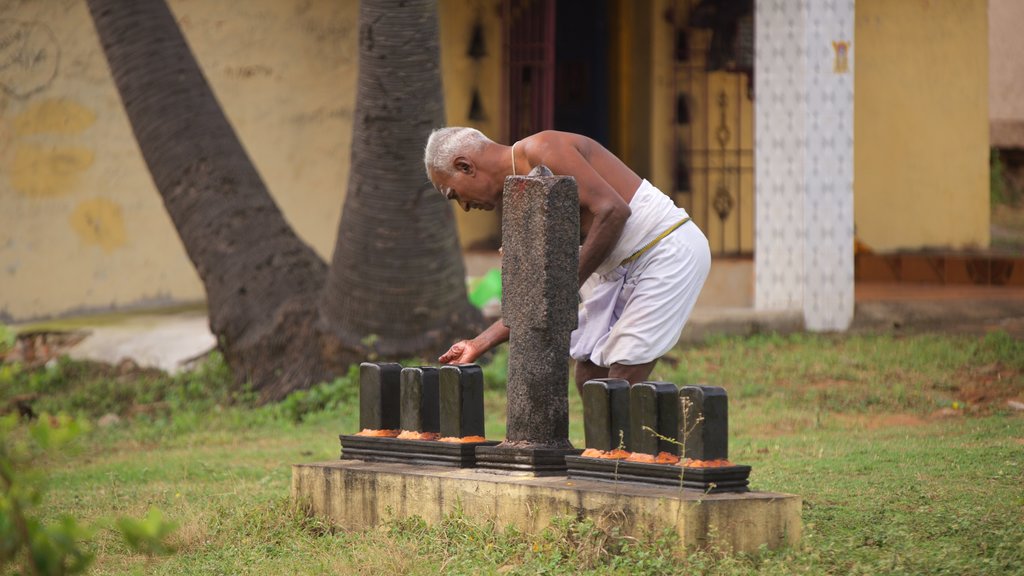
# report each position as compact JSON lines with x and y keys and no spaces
{"x":445,"y":144}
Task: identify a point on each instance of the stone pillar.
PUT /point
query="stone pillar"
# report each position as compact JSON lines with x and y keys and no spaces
{"x":804,"y":169}
{"x":540,"y":242}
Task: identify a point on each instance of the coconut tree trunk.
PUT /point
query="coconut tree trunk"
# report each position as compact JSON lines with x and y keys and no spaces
{"x":262,"y":283}
{"x":282,"y":321}
{"x":396,"y":287}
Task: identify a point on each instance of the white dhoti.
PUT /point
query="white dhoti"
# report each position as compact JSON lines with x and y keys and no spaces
{"x":634,"y":313}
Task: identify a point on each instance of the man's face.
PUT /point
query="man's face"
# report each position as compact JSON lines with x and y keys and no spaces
{"x":467,"y":187}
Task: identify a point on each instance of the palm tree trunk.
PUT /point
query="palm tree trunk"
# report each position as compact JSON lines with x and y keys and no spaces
{"x":262,"y":283}
{"x":396,"y":286}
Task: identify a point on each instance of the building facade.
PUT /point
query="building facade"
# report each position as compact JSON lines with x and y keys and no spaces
{"x":786,"y":128}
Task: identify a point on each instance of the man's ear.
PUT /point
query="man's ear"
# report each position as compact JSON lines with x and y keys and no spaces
{"x":464,"y":165}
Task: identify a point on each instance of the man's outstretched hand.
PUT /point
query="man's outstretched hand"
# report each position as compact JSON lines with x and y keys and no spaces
{"x":462,"y":352}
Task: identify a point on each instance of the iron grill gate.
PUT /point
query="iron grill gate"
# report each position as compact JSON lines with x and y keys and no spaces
{"x":713,"y":158}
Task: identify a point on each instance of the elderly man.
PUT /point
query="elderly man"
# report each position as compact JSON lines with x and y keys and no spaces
{"x":642,"y":261}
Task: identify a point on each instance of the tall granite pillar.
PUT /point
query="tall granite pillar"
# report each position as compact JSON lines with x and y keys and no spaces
{"x":540,"y":242}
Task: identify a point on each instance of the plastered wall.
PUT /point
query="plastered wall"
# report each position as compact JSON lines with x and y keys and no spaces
{"x":81,"y":225}
{"x":921,"y":126}
{"x":464,"y":74}
{"x":82,"y":228}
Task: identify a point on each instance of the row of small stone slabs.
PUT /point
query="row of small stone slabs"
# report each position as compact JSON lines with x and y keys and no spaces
{"x":649,"y":418}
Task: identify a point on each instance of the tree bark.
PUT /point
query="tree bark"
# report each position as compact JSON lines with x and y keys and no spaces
{"x":262,"y":282}
{"x":396,"y":286}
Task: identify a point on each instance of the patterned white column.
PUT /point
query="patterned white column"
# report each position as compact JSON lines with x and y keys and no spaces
{"x":804,"y":159}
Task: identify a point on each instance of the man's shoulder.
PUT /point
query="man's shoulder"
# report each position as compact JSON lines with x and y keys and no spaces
{"x":554,"y":137}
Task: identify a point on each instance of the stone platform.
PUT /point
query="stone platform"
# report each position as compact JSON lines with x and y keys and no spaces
{"x":359,"y":495}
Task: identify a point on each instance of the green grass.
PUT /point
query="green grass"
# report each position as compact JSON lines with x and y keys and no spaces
{"x":902,"y":448}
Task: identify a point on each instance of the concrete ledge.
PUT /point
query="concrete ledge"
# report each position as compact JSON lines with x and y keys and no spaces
{"x":360,"y":495}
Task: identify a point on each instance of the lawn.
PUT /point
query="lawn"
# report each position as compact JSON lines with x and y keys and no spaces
{"x":905,"y":450}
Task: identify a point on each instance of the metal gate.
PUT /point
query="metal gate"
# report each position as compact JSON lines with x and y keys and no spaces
{"x":713,"y":157}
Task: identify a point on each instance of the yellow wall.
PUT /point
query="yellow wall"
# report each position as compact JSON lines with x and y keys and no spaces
{"x":461,"y":75}
{"x":662,"y":91}
{"x":921,"y":124}
{"x":81,"y":224}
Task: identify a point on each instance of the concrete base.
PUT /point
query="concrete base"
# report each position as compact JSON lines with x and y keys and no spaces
{"x":360,"y":495}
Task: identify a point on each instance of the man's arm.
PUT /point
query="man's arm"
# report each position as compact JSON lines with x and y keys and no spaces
{"x":605,"y":230}
{"x":467,"y":351}
{"x":607,"y":210}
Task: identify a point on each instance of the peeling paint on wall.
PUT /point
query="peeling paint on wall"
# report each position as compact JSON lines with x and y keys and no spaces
{"x":54,"y":117}
{"x":81,"y":226}
{"x":99,"y":222}
{"x":42,"y":168}
{"x":47,"y":171}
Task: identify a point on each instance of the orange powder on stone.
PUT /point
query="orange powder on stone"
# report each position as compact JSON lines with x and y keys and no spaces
{"x":378,"y":433}
{"x":717,"y":463}
{"x":413,"y":435}
{"x":666,"y":458}
{"x":463,"y":440}
{"x":606,"y":454}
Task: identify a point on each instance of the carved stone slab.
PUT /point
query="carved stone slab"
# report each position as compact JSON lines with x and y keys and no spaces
{"x":705,"y":423}
{"x":379,"y":396}
{"x":462,"y":400}
{"x":420,"y":400}
{"x":606,"y":413}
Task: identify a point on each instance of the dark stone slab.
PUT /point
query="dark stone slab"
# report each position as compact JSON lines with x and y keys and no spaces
{"x":540,"y":239}
{"x":704,"y":422}
{"x":420,"y":399}
{"x":462,"y":401}
{"x":430,"y":453}
{"x":606,"y":413}
{"x":538,"y":461}
{"x":712,"y":480}
{"x":379,"y":396}
{"x":667,"y":395}
{"x":654,"y":417}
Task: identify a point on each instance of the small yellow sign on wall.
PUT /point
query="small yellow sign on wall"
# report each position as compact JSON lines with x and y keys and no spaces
{"x":842,"y":62}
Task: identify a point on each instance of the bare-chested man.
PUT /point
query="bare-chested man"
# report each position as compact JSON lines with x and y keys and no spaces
{"x":642,"y":261}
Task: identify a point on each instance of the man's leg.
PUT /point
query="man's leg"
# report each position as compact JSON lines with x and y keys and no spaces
{"x":587,"y":370}
{"x":633,"y":373}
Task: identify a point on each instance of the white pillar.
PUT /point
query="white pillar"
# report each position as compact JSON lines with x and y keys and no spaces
{"x":803,"y":132}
